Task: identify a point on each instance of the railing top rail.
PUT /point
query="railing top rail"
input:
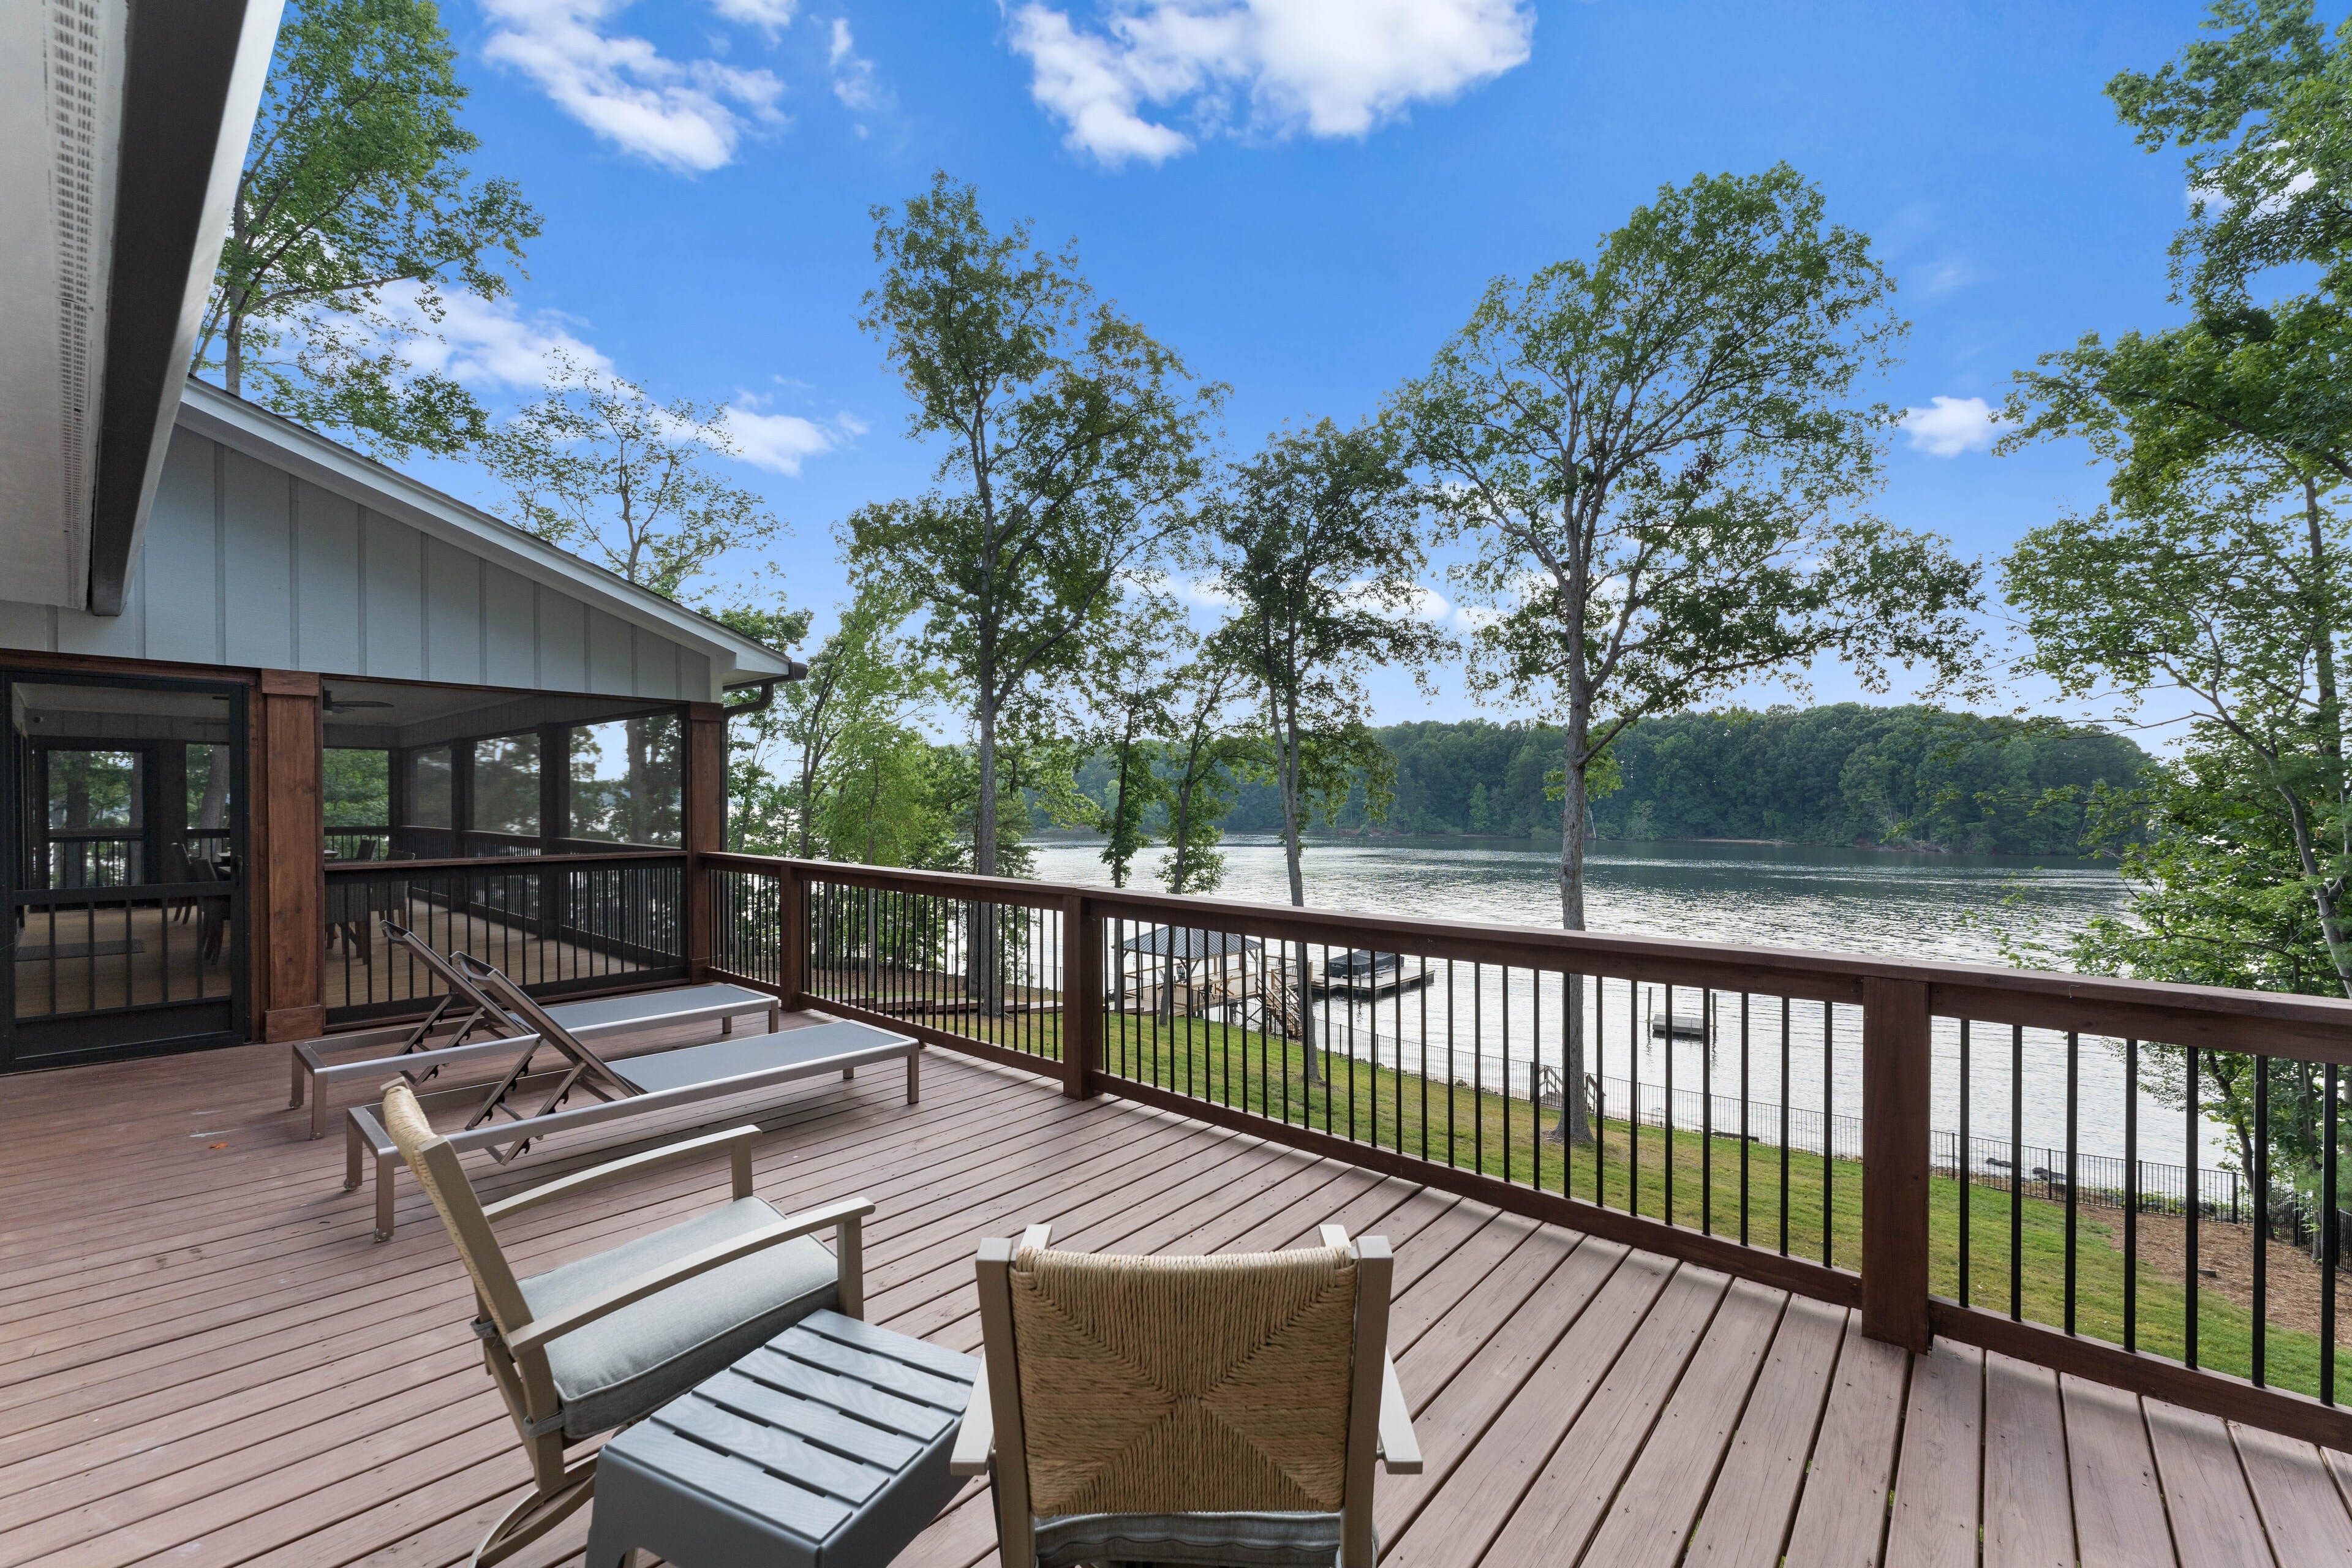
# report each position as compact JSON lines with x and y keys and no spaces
{"x":2318,"y":1028}
{"x":502,"y":864}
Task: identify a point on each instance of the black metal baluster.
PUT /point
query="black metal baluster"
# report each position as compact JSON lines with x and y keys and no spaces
{"x":1667,"y":1170}
{"x":2188,"y":1273}
{"x":1600,"y":1090}
{"x":2261,"y":1213}
{"x":2073,"y":1104}
{"x":2331,"y":1242}
{"x":2017,"y":1172}
{"x":2131,"y":1198}
{"x":1479,"y":1068}
{"x":1504,"y":999}
{"x":1787,"y":1005}
{"x":1705,"y":1108}
{"x":1633,"y":1114}
{"x":1967,"y":1087}
{"x":1829,"y":1129}
{"x":1747,"y":1145}
{"x":1423,"y":989}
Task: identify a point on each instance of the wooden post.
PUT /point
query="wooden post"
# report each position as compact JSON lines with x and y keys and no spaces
{"x":286,"y":893}
{"x":792,"y":936}
{"x":1895,"y":1059}
{"x":704,"y":797}
{"x":1082,"y":996}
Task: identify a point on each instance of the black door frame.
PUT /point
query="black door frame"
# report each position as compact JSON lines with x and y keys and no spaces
{"x":151,"y":1028}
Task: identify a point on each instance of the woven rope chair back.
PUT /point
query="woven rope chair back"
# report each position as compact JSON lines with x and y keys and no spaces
{"x":1184,"y":1384}
{"x":436,"y":1171}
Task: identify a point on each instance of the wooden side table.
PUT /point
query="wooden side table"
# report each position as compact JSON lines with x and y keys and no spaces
{"x":826,"y":1447}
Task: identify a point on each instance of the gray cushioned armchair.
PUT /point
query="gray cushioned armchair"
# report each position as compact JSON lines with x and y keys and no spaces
{"x":600,"y":1341}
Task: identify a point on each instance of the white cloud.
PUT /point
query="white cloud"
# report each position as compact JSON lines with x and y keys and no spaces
{"x":482,"y":341}
{"x":1329,"y":68}
{"x":685,"y":115}
{"x":1948,"y":427}
{"x":852,"y":74}
{"x":771,"y":16}
{"x":1938,"y":278}
{"x":780,"y":443}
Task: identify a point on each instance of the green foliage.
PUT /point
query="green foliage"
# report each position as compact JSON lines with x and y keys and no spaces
{"x":598,"y":466}
{"x":834,"y":766}
{"x":2262,"y":106}
{"x":1659,"y":458}
{"x":1213,"y":746}
{"x":1130,"y":687}
{"x":1069,"y":436}
{"x":1318,"y":544}
{"x":357,"y":785}
{"x":355,"y":183}
{"x":1843,"y":774}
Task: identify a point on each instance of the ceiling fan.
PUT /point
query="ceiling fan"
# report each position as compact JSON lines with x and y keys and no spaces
{"x":344,"y":705}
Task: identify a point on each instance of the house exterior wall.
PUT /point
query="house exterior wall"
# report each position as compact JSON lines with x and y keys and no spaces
{"x":245,"y":564}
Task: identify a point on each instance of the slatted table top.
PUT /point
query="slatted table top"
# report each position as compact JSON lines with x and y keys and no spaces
{"x":808,"y":1430}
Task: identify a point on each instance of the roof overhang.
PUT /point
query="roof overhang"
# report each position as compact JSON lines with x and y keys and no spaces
{"x":205,"y":410}
{"x":123,"y":125}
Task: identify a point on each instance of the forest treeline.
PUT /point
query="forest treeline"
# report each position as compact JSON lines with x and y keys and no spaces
{"x":1841,"y":773}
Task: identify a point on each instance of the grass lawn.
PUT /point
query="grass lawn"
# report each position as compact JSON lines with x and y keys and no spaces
{"x":1476,"y":1127}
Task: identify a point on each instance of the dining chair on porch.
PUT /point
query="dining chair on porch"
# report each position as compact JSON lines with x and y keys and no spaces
{"x":1219,"y":1412}
{"x":591,"y":1346}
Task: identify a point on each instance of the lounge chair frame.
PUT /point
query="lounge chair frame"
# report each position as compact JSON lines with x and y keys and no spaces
{"x":831,"y":1046}
{"x":417,"y":1057}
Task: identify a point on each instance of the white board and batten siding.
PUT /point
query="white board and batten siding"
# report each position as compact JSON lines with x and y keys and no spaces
{"x":248,"y":564}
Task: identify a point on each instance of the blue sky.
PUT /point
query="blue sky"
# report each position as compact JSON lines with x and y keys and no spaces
{"x":1302,"y":202}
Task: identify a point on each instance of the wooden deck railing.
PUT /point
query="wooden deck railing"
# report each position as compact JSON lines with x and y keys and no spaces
{"x":1538,"y":1070}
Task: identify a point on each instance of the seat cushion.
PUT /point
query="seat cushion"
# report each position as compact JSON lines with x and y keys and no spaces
{"x":628,"y":1365}
{"x":1201,"y":1540}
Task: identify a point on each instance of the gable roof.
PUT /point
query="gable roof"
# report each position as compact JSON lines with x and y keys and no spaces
{"x":205,"y":410}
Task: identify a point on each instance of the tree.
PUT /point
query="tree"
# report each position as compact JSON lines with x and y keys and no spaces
{"x":1212,"y":746}
{"x":1658,"y":463}
{"x":598,"y":466}
{"x":1129,"y":687}
{"x":1318,"y":545}
{"x":2219,"y":573}
{"x":2262,"y":107}
{"x":354,"y":187}
{"x":1070,"y":436}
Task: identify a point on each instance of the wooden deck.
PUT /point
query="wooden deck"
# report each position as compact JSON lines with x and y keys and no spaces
{"x":208,"y":1363}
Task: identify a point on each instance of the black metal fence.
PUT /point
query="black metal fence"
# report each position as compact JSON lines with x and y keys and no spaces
{"x":556,"y":924}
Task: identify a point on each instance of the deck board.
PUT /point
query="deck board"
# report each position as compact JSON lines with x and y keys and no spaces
{"x":206,"y":1361}
{"x":2029,"y":1516}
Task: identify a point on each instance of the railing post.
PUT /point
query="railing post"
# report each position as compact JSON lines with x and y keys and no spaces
{"x":1082,"y":996}
{"x":792,"y":934}
{"x":1895,"y":1059}
{"x":703,"y":799}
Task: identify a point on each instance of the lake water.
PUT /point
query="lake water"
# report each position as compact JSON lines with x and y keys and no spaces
{"x":1952,"y":906}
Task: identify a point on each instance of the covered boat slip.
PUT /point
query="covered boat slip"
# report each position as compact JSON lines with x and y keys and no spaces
{"x":237,"y":1375}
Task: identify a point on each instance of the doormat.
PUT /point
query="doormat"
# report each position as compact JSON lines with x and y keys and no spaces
{"x":80,"y":949}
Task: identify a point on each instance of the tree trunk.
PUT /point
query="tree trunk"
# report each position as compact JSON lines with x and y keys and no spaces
{"x":983,"y":811}
{"x":982,"y":977}
{"x":1290,"y":850}
{"x":233,"y":356}
{"x":1574,"y":1126}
